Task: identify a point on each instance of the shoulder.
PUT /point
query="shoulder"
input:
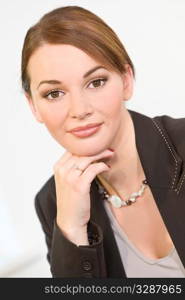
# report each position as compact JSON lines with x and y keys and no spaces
{"x":47,"y":188}
{"x":174,"y":129}
{"x":45,"y":199}
{"x":171,"y":129}
{"x":172,"y":125}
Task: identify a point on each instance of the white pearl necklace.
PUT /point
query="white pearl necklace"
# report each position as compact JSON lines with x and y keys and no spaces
{"x":116,"y":201}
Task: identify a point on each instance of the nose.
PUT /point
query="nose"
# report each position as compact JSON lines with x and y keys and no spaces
{"x":79,"y":106}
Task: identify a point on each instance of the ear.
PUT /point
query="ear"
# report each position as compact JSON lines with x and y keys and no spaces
{"x":33,"y":108}
{"x":128,"y":83}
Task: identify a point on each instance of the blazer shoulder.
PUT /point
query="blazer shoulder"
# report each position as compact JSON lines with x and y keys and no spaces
{"x":45,"y":200}
{"x":173,"y":125}
{"x":47,"y":187}
{"x":175,"y":130}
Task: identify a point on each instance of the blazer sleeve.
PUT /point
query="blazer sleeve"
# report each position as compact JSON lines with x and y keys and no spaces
{"x":67,"y":259}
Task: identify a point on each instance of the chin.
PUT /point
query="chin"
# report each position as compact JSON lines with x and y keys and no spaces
{"x":87,"y":147}
{"x":88,"y":150}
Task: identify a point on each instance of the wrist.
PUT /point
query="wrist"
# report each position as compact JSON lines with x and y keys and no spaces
{"x":77,"y":235}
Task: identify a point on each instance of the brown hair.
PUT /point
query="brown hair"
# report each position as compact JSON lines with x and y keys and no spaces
{"x":81,"y":28}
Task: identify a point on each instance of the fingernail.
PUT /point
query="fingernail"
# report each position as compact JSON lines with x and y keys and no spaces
{"x":111,"y":149}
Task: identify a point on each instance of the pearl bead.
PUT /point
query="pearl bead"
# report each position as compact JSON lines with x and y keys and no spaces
{"x":116,"y":201}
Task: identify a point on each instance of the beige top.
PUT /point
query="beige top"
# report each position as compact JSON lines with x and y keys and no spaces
{"x":136,"y":264}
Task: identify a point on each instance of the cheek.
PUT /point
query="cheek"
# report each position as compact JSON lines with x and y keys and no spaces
{"x":111,"y":102}
{"x":52,"y":115}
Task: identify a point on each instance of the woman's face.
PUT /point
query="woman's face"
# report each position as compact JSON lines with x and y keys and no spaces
{"x":70,"y":89}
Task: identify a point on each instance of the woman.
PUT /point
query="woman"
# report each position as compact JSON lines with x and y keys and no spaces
{"x":115,"y":205}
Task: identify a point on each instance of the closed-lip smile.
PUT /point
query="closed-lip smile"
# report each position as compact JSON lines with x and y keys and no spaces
{"x":82,"y":128}
{"x":86,"y":131}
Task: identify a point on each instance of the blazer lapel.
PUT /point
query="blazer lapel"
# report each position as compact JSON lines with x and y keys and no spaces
{"x":98,"y":215}
{"x":163,"y":169}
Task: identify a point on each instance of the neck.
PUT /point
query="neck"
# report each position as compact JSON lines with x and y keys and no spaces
{"x":126,"y":172}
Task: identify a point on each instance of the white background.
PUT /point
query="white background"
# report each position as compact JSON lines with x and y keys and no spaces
{"x":153,"y":34}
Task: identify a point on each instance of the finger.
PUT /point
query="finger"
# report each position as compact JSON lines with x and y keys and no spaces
{"x":92,"y":171}
{"x":84,"y":162}
{"x":69,"y":163}
{"x":62,"y":160}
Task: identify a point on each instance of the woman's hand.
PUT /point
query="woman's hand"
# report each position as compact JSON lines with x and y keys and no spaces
{"x":73,"y":192}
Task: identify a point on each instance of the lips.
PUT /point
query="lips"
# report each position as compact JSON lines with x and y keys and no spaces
{"x":86,"y":130}
{"x":85,"y":127}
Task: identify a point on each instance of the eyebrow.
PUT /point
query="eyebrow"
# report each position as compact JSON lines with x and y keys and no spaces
{"x":53,"y":81}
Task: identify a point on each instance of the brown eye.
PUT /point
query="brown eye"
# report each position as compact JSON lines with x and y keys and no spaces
{"x":54,"y":95}
{"x":97,"y":83}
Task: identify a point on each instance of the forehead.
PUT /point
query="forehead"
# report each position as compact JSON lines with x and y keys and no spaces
{"x":50,"y":59}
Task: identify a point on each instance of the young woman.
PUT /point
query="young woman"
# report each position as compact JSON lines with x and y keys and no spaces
{"x":115,"y":204}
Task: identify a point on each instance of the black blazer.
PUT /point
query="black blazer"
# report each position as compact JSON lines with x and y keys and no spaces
{"x":160,"y":143}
